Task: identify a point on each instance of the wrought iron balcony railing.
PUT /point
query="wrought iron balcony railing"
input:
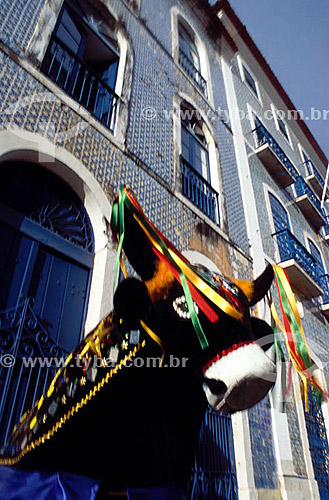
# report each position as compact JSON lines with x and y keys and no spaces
{"x":314,"y":178}
{"x":310,"y":169}
{"x":262,"y":136}
{"x":302,"y":189}
{"x":192,"y":71}
{"x":200,"y":192}
{"x":80,"y":82}
{"x":325,"y":229}
{"x":291,"y":248}
{"x":325,"y":287}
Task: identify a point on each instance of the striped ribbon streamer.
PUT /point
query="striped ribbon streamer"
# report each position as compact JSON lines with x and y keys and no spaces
{"x":176,"y":261}
{"x":293,"y":333}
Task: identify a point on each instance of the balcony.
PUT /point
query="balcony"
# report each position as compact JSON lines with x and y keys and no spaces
{"x":324,"y":307}
{"x":192,"y":71}
{"x":309,"y":203}
{"x":273,"y":157}
{"x":314,"y":178}
{"x":80,"y":82}
{"x":325,"y":229}
{"x":199,"y":192}
{"x":303,"y":270}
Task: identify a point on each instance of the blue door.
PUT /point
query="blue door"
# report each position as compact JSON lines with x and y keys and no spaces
{"x":318,"y":444}
{"x":46,"y":257}
{"x":214,"y":474}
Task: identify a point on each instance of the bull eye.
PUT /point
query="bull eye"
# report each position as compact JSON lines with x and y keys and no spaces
{"x":181,"y":308}
{"x":221,"y":282}
{"x":216,"y":386}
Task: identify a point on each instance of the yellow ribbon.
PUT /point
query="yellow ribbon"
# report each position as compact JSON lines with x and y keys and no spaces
{"x":292,"y":301}
{"x":195,"y":279}
{"x":292,"y":357}
{"x":154,"y":337}
{"x":296,"y":362}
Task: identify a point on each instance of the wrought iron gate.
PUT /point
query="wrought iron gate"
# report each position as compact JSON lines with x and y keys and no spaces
{"x":46,"y":257}
{"x":214,"y":474}
{"x":29,"y":359}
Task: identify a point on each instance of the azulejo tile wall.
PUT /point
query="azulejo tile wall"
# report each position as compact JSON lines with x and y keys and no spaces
{"x":156,"y":80}
{"x":295,"y":440}
{"x":262,"y":445}
{"x":17,"y":22}
{"x":29,"y":105}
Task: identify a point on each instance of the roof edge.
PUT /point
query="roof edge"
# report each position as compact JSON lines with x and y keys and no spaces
{"x":224,"y":5}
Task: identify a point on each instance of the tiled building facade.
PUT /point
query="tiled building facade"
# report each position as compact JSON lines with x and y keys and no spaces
{"x":279,"y":161}
{"x":165,"y":110}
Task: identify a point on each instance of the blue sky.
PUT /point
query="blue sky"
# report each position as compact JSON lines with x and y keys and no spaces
{"x":293,"y":36}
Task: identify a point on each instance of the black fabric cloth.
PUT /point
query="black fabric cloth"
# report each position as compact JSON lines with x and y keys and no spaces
{"x":140,"y":430}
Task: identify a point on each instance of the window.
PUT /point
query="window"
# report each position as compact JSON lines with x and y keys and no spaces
{"x":316,"y":254}
{"x":281,"y":126}
{"x":194,"y":144}
{"x":305,"y":158}
{"x":279,"y":214}
{"x":189,"y":57}
{"x":259,"y":131}
{"x":284,"y":238}
{"x":310,"y":168}
{"x":82,"y":58}
{"x":196,"y":179}
{"x":249,"y":79}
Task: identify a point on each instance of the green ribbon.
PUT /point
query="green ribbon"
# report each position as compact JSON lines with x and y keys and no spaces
{"x":295,"y":330}
{"x":277,"y":342}
{"x":117,"y":223}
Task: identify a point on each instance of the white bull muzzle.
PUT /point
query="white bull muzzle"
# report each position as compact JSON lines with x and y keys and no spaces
{"x":239,"y":377}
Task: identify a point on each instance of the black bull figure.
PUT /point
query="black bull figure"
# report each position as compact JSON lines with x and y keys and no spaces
{"x":112,"y":412}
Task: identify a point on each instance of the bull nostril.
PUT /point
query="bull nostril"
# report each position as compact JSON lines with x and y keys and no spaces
{"x":216,"y":386}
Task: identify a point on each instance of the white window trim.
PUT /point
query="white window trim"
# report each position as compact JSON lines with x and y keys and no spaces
{"x":242,"y":64}
{"x":214,"y":165}
{"x":301,"y":151}
{"x":277,"y":126}
{"x":37,"y":49}
{"x":251,"y":115}
{"x":267,"y":191}
{"x":307,"y":238}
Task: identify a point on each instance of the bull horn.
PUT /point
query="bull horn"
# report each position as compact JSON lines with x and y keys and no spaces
{"x":257,"y":289}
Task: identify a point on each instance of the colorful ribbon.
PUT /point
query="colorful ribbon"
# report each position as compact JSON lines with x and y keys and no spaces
{"x":173,"y":259}
{"x":293,"y":333}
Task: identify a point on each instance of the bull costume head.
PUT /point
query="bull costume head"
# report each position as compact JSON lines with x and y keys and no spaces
{"x":177,"y":311}
{"x":221,"y":342}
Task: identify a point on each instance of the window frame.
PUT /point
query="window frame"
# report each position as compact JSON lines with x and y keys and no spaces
{"x":309,"y":243}
{"x":106,"y":92}
{"x":278,"y":120}
{"x":178,"y":17}
{"x":194,"y":69}
{"x":243,"y":68}
{"x":271,"y":195}
{"x":269,"y":191}
{"x":189,"y":39}
{"x":213,"y":181}
{"x":195,"y":142}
